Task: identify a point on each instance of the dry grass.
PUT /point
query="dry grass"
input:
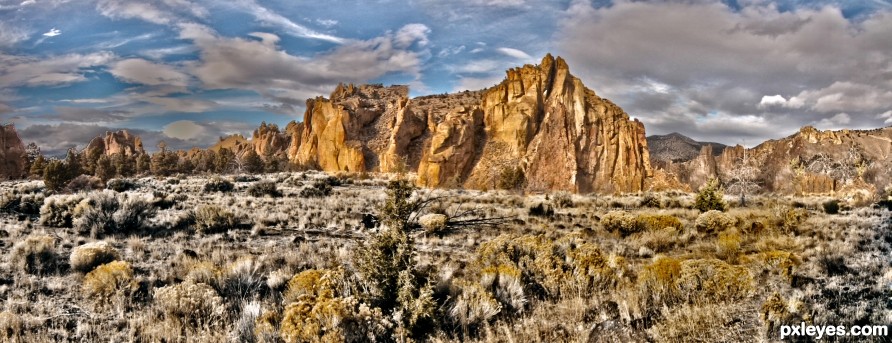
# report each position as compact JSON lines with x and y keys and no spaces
{"x":598,"y":269}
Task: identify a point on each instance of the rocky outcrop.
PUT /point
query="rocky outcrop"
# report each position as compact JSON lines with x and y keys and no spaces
{"x":675,"y":147}
{"x":119,"y":142}
{"x":12,"y":154}
{"x":809,"y":162}
{"x":236,"y":143}
{"x":268,"y":141}
{"x":540,"y":119}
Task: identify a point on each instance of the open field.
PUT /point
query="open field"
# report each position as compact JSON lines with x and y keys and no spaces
{"x":292,"y":257}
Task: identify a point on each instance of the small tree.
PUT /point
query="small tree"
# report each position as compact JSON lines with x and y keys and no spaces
{"x":251,"y":162}
{"x":104,"y":168}
{"x":387,"y":263}
{"x":710,"y":197}
{"x":38,"y":166}
{"x":56,"y":175}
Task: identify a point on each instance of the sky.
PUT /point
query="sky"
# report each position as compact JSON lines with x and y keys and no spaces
{"x":188,"y":72}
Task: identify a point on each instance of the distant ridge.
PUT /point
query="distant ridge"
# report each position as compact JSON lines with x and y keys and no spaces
{"x":676,"y":147}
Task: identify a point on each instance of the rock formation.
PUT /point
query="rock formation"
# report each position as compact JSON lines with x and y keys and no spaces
{"x":676,"y":147}
{"x":12,"y":153}
{"x":809,"y":162}
{"x":118,"y":142}
{"x":540,"y":119}
{"x":267,"y":140}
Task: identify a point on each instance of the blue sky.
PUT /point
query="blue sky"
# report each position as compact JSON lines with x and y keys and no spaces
{"x":190,"y":71}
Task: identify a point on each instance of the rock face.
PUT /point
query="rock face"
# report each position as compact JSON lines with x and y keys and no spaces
{"x":540,"y":119}
{"x":268,"y":141}
{"x":676,"y":147}
{"x":12,"y":153}
{"x":809,"y":162}
{"x":119,"y":142}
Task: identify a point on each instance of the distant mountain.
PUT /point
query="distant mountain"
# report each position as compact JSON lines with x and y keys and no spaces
{"x":676,"y":147}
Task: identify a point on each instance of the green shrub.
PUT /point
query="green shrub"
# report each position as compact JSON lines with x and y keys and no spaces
{"x":319,"y":189}
{"x":541,"y":209}
{"x":218,"y":184}
{"x":121,"y":185}
{"x":89,"y":256}
{"x":264,"y":188}
{"x":56,"y":175}
{"x":83,"y":183}
{"x":710,"y":197}
{"x":214,"y":219}
{"x":35,"y":254}
{"x":831,"y":207}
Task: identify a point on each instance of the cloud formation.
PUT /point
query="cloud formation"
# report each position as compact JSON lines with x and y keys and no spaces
{"x":263,"y":67}
{"x":787,"y":67}
{"x":53,"y":71}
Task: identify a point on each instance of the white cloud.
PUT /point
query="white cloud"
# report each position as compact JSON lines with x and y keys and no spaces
{"x":143,"y":72}
{"x":52,"y":71}
{"x":887,"y":116}
{"x":412,"y":33}
{"x":158,"y":12}
{"x":265,"y":16}
{"x":836,"y":122}
{"x":183,"y":129}
{"x":267,"y":38}
{"x":11,"y":35}
{"x":705,"y":51}
{"x":52,"y":32}
{"x":511,"y":52}
{"x":236,"y":63}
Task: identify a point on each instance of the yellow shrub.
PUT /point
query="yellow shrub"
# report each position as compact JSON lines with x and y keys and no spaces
{"x":714,"y":221}
{"x":266,"y":326}
{"x":728,"y":245}
{"x":89,"y":256}
{"x":621,"y":222}
{"x":109,"y":280}
{"x":657,"y":281}
{"x":318,"y":283}
{"x":713,"y":281}
{"x":783,"y":262}
{"x":794,"y":217}
{"x":331,"y":320}
{"x":652,"y":222}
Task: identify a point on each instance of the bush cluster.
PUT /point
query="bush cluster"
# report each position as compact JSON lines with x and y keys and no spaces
{"x":264,"y":188}
{"x":121,"y":185}
{"x":319,"y":189}
{"x":106,"y":213}
{"x":710,"y":197}
{"x":108,"y":282}
{"x":214,"y":219}
{"x":218,"y":184}
{"x":35,"y":254}
{"x":714,"y":222}
{"x":669,"y":281}
{"x":58,"y":210}
{"x":192,"y":304}
{"x":86,"y":257}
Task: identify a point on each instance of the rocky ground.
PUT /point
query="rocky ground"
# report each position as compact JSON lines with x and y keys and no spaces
{"x":196,"y":261}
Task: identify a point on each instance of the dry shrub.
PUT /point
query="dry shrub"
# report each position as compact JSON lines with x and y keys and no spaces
{"x":669,"y":280}
{"x":242,"y":278}
{"x":474,"y":306}
{"x":35,"y":255}
{"x":89,"y":256}
{"x":793,"y":217}
{"x":654,"y":222}
{"x":109,"y":282}
{"x":433,"y":223}
{"x":312,"y":319}
{"x":727,"y":247}
{"x":713,"y":221}
{"x":777,"y":311}
{"x":705,"y":323}
{"x":550,"y":268}
{"x":319,"y":283}
{"x":504,"y":283}
{"x":11,"y":326}
{"x":266,"y":326}
{"x":785,"y":263}
{"x":659,"y":240}
{"x":58,"y":210}
{"x":214,"y":219}
{"x":621,"y":222}
{"x":202,"y":272}
{"x":191,"y":304}
{"x":108,"y":213}
{"x":713,"y":281}
{"x":657,"y":282}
